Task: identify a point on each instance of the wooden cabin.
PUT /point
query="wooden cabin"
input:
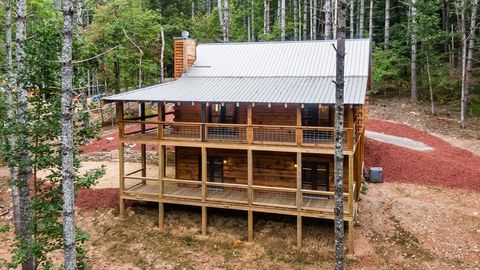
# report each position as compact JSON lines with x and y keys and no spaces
{"x":251,"y":128}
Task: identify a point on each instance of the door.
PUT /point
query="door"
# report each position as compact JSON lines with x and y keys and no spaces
{"x":315,"y":176}
{"x":214,"y":169}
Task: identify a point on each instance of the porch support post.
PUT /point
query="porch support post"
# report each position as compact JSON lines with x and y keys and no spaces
{"x":161,"y":175}
{"x":350,"y":237}
{"x":143,"y":148}
{"x":204,"y":190}
{"x":204,"y":120}
{"x":249,"y":124}
{"x":298,"y":131}
{"x":299,"y":199}
{"x":160,"y":118}
{"x":250,"y":193}
{"x":350,"y":204}
{"x":121,"y":155}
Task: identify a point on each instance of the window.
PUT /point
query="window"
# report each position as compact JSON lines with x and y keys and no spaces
{"x":315,"y":176}
{"x":226,"y":114}
{"x":214,"y":169}
{"x":314,"y":116}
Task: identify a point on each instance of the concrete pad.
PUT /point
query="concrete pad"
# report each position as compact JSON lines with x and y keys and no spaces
{"x":399,"y":141}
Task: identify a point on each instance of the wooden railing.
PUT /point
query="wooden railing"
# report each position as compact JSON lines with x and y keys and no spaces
{"x":236,"y":133}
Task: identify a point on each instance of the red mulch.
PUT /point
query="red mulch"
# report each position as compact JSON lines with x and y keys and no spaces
{"x":92,"y":199}
{"x":446,"y":166}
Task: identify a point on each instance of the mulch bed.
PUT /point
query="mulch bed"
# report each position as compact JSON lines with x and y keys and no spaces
{"x":446,"y":166}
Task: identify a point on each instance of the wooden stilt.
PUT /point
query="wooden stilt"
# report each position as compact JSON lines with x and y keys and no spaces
{"x":122,"y":208}
{"x":161,"y":216}
{"x":350,"y":237}
{"x":299,"y":231}
{"x":204,"y":220}
{"x":250,"y":225}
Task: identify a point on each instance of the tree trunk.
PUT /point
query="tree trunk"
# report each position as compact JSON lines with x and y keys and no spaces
{"x":361,"y":24}
{"x":282,"y":20}
{"x":387,"y":25}
{"x":24,"y":156}
{"x":314,"y":25}
{"x":11,"y":115}
{"x":370,"y":21}
{"x":226,"y":19}
{"x":468,"y":73}
{"x":339,"y":129}
{"x":70,"y":254}
{"x":222,"y":20}
{"x":253,"y":20}
{"x":279,"y":11}
{"x":162,"y":55}
{"x":413,"y":27}
{"x":266,"y":17}
{"x":352,"y":19}
{"x":305,"y":19}
{"x":430,"y":81}
{"x":295,"y":20}
{"x":79,"y":13}
{"x":328,"y":19}
{"x":311,"y":19}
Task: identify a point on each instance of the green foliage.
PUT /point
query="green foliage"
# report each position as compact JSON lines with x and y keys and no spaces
{"x":387,"y":69}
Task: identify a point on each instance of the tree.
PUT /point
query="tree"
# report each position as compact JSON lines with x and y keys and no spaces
{"x":266,"y":17}
{"x":370,"y":21}
{"x":468,"y":68}
{"x":314,"y":23}
{"x":413,"y":52}
{"x":352,"y":18}
{"x":387,"y":25}
{"x":282,"y":20}
{"x":295,"y":20}
{"x":305,"y":19}
{"x":10,"y":116}
{"x":23,"y":160}
{"x":327,"y":9}
{"x":339,"y":129}
{"x":68,"y":188}
{"x":361,"y":23}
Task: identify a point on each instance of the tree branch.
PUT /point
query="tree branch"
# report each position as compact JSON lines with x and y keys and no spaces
{"x":93,"y":57}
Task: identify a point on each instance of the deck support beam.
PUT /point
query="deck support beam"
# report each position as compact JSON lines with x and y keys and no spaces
{"x":350,"y":237}
{"x":204,"y":190}
{"x":143,"y":147}
{"x":299,"y":231}
{"x":203,"y":117}
{"x":121,"y":156}
{"x":299,"y":199}
{"x":204,"y":220}
{"x":250,"y":225}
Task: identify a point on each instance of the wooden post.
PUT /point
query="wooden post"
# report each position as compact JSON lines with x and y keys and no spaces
{"x":299,"y":199}
{"x":250,"y":193}
{"x":204,"y":120}
{"x":299,"y":181}
{"x":121,"y":157}
{"x":350,"y":185}
{"x":350,"y":237}
{"x":161,"y":174}
{"x":143,"y":147}
{"x":161,"y":118}
{"x":298,"y":131}
{"x":249,"y":124}
{"x":204,"y":190}
{"x":250,"y":225}
{"x":299,"y":231}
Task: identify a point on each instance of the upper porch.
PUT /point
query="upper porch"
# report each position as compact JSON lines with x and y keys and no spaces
{"x":278,"y":127}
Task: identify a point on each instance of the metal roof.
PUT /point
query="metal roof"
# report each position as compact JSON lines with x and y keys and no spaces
{"x":265,"y":72}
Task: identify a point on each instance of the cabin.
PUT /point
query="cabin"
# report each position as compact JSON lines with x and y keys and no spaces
{"x":250,"y":127}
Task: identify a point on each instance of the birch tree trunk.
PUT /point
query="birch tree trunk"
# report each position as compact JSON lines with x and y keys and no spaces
{"x":352,"y":19}
{"x":162,"y":55}
{"x":432,"y":104}
{"x":463,"y":36}
{"x":339,"y":129}
{"x":370,"y":21}
{"x":413,"y":27}
{"x":468,"y":73}
{"x":68,"y":189}
{"x":79,"y":13}
{"x":311,"y":19}
{"x":305,"y":19}
{"x":221,"y":19}
{"x":295,"y":20}
{"x":253,"y":20}
{"x":11,"y":115}
{"x":328,"y":19}
{"x":226,"y":20}
{"x":361,"y":21}
{"x":282,"y":20}
{"x":266,"y":17}
{"x":24,"y":156}
{"x":314,"y":25}
{"x":279,"y":11}
{"x":387,"y":25}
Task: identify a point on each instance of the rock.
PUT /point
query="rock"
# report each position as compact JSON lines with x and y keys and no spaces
{"x":109,"y":139}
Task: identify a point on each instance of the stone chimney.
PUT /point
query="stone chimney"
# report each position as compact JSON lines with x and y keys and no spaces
{"x":185,"y":53}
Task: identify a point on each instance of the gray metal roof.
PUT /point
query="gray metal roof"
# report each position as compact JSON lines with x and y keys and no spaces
{"x":265,"y":72}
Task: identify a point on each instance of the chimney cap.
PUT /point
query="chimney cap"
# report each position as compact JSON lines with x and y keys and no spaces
{"x":185,"y":34}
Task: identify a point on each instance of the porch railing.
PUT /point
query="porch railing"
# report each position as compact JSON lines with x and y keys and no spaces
{"x":236,"y":133}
